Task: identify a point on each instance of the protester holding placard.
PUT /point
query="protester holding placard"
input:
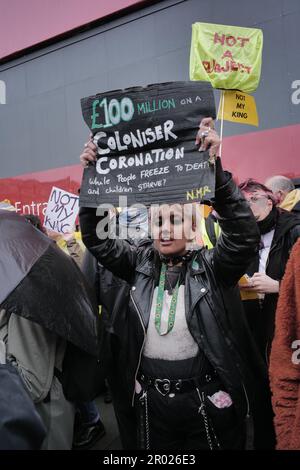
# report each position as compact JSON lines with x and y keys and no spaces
{"x":188,"y":359}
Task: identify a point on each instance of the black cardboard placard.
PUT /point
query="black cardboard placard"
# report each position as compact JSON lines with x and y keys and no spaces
{"x":146,"y":145}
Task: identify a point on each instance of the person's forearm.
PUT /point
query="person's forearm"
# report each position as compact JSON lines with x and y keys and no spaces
{"x":222,"y":177}
{"x":240,"y":236}
{"x":88,"y":226}
{"x":118,"y":256}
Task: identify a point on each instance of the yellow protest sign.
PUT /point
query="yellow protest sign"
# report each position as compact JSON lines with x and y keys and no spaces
{"x":227,"y":56}
{"x":238,"y":107}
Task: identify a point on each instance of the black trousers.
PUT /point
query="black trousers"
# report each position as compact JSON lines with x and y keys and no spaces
{"x":176,"y":423}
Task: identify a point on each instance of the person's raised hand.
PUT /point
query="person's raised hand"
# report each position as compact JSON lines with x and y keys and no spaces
{"x":89,"y":154}
{"x":208,"y":139}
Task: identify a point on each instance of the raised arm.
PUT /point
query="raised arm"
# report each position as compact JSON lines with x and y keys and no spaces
{"x":119,"y":256}
{"x":240,"y":237}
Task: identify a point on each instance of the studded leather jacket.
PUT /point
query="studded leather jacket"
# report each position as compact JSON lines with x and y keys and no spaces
{"x":213,"y":306}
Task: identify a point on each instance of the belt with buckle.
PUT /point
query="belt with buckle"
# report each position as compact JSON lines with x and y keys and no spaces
{"x":171,"y":387}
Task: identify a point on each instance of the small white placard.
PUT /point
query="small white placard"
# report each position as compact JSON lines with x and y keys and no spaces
{"x":62,"y":210}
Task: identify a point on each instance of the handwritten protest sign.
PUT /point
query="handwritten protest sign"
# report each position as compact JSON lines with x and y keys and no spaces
{"x":238,"y":107}
{"x":146,"y":145}
{"x":62,"y":210}
{"x":229,"y":57}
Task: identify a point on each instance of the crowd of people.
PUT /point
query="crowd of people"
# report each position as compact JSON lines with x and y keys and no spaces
{"x":195,"y":337}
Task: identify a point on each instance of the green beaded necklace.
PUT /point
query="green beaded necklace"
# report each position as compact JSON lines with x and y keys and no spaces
{"x":159,"y":302}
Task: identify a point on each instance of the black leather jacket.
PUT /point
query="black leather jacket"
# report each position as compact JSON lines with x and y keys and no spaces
{"x":213,"y":306}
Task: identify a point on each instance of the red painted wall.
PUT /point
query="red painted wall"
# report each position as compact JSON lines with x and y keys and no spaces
{"x":30,"y":193}
{"x":51,"y":18}
{"x":263,"y":154}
